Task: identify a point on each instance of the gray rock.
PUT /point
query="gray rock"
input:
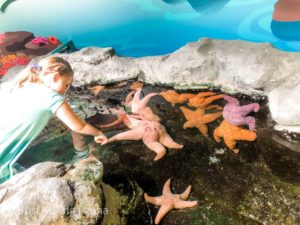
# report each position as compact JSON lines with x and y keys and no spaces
{"x":284,"y":107}
{"x":41,"y":202}
{"x":50,"y":192}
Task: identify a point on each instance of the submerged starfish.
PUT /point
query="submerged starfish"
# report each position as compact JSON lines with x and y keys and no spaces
{"x":232,"y":134}
{"x":203,"y":99}
{"x":199,"y":119}
{"x":97,"y":89}
{"x":168,"y":201}
{"x":237,"y":115}
{"x":174,"y":98}
{"x":152,"y":133}
{"x":139,"y":106}
{"x":136,"y":85}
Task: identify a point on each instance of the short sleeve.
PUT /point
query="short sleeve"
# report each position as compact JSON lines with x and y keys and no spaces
{"x":55,"y":102}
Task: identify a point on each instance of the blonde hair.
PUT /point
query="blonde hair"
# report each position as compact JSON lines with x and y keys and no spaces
{"x":33,"y":72}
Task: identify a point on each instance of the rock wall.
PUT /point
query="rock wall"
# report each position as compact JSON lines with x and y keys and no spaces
{"x":235,"y":66}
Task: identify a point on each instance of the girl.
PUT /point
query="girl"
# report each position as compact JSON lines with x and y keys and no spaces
{"x":25,"y":111}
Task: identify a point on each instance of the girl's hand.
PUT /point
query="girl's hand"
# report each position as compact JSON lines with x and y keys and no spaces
{"x":101,"y":139}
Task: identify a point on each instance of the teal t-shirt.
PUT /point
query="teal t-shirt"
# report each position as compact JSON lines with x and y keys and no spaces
{"x":23,"y":114}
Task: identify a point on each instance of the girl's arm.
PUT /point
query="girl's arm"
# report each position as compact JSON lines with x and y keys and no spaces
{"x":68,"y":117}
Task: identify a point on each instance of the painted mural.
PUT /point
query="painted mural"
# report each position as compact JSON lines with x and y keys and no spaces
{"x":18,"y":48}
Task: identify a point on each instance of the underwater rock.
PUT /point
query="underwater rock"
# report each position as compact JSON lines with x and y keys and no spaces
{"x":50,"y":192}
{"x":126,"y":203}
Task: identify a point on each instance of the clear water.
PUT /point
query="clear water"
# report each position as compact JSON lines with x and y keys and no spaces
{"x":146,"y":27}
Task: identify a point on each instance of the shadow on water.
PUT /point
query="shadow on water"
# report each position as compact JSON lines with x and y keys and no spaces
{"x":223,"y":183}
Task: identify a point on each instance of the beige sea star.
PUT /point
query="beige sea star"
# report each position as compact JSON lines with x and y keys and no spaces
{"x":168,"y":201}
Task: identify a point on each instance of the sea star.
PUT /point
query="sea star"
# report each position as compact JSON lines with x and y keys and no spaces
{"x":153,"y":134}
{"x":95,"y":90}
{"x":199,"y":119}
{"x":174,"y":98}
{"x":203,"y":99}
{"x":237,"y":115}
{"x":139,"y":106}
{"x":136,"y":85}
{"x":168,"y":201}
{"x":232,"y":134}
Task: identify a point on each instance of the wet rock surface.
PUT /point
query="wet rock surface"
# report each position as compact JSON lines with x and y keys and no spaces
{"x":260,"y":185}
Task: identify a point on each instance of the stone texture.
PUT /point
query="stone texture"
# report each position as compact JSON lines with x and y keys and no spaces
{"x":50,"y":192}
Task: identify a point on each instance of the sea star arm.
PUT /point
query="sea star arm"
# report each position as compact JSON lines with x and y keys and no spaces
{"x":180,"y":204}
{"x":230,"y":143}
{"x":128,"y":99}
{"x":167,"y":187}
{"x":231,"y":100}
{"x":154,"y":200}
{"x":163,"y":210}
{"x":167,"y":140}
{"x":208,"y":118}
{"x":214,"y":107}
{"x":114,"y":123}
{"x":212,"y":98}
{"x":157,"y":147}
{"x":96,"y":89}
{"x":217,"y":135}
{"x":138,"y":104}
{"x":134,"y":134}
{"x":205,"y":94}
{"x":203,"y":129}
{"x":246,"y":135}
{"x":186,"y":193}
{"x":188,"y":114}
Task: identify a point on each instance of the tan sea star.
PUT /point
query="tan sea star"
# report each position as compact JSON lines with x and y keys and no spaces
{"x":168,"y":201}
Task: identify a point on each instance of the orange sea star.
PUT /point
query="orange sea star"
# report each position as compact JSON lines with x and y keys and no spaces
{"x":232,"y":134}
{"x":199,"y":119}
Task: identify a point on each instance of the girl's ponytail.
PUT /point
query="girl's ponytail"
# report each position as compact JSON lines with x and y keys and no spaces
{"x":33,"y":72}
{"x":29,"y":74}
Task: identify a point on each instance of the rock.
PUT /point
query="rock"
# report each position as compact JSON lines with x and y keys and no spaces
{"x":284,"y":105}
{"x":50,"y":192}
{"x":101,"y":65}
{"x":125,"y":204}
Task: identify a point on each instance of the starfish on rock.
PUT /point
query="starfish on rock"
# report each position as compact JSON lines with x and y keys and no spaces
{"x":232,"y":134}
{"x":168,"y":201}
{"x":198,"y":119}
{"x":152,"y":133}
{"x":139,"y":106}
{"x":174,"y":98}
{"x":237,"y":115}
{"x":203,"y":99}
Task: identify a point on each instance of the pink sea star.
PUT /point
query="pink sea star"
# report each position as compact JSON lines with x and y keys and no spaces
{"x":237,"y":115}
{"x":152,"y":133}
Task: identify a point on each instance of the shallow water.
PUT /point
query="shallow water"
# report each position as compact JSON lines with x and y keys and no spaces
{"x":260,"y":185}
